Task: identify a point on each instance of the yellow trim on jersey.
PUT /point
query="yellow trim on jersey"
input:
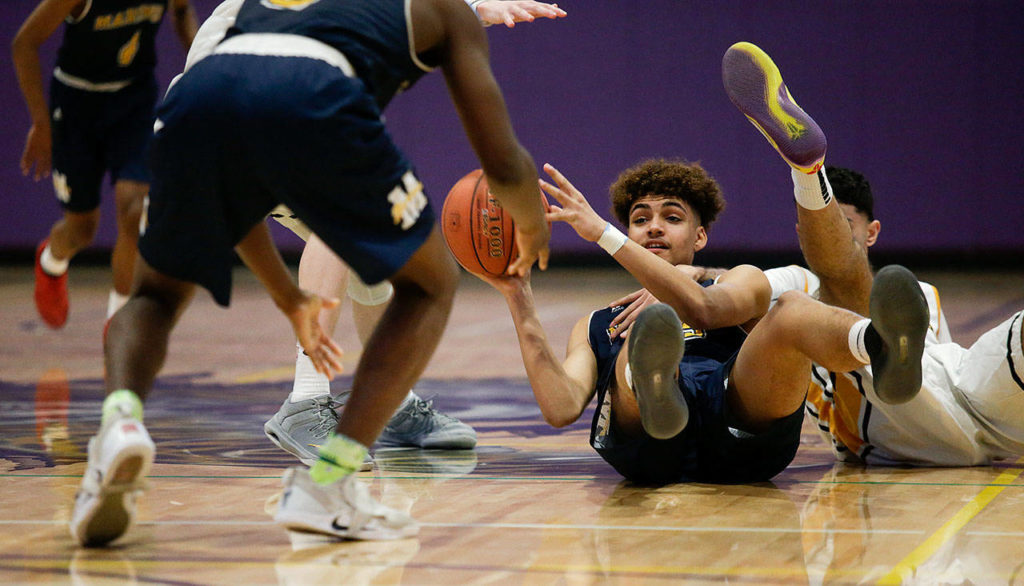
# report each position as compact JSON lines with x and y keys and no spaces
{"x":840,"y":414}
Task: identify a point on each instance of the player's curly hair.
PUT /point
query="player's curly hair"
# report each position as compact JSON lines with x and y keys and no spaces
{"x":685,"y":180}
{"x":852,"y":188}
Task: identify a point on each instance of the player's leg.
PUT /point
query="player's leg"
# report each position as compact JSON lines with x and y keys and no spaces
{"x":121,"y":453}
{"x":772,"y":370}
{"x":416,"y":423}
{"x":328,"y":498}
{"x":404,"y":340}
{"x":646,"y":395}
{"x":73,"y":232}
{"x":77,"y":175}
{"x":309,"y":414}
{"x":990,"y":375}
{"x":770,"y":377}
{"x":129,"y":198}
{"x":126,"y":143}
{"x":755,"y":86}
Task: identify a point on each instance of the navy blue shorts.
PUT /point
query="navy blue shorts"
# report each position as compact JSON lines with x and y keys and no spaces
{"x":711,"y":448}
{"x":97,"y":132}
{"x":239,"y":134}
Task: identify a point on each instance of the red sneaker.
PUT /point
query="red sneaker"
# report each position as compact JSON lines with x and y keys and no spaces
{"x":51,"y":293}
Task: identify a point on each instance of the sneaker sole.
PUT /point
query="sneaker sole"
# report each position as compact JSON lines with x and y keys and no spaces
{"x":899,"y":313}
{"x":109,"y":518}
{"x":275,"y":434}
{"x":315,"y":524}
{"x":656,"y":346}
{"x":451,"y":442}
{"x":755,"y":86}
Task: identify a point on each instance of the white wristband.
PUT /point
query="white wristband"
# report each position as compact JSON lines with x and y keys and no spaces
{"x":611,"y":240}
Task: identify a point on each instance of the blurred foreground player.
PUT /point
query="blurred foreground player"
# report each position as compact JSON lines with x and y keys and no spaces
{"x":310,"y":411}
{"x":287,"y":109}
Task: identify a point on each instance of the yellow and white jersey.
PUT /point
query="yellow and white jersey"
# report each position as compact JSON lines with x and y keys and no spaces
{"x":946,"y":423}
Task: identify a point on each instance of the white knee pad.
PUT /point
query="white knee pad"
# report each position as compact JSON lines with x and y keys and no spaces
{"x":364,"y":294}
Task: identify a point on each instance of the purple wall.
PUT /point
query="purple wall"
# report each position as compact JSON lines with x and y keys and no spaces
{"x":923,"y":97}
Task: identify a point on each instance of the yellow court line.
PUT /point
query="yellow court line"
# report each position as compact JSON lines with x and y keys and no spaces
{"x":265,"y":375}
{"x":916,"y":558}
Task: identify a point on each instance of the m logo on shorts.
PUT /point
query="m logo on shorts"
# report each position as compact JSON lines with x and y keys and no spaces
{"x":60,"y":186}
{"x":407,"y":201}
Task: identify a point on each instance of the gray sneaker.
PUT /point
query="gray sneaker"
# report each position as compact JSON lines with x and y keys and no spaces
{"x":418,"y":424}
{"x":300,"y":428}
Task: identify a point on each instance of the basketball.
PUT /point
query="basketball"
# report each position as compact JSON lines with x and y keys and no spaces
{"x":478,"y":231}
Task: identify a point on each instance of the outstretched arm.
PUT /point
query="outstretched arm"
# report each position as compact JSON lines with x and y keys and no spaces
{"x":562,"y":390}
{"x":740,"y":296}
{"x":509,"y":12}
{"x":511,"y":174}
{"x":302,"y":309}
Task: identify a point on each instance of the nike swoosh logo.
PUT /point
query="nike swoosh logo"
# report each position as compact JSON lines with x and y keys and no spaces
{"x":336,"y":527}
{"x":317,"y":446}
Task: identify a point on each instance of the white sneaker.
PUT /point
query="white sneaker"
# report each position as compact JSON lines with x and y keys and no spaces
{"x":120,"y":456}
{"x":342,"y":509}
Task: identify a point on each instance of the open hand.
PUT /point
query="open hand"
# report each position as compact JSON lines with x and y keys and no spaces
{"x":321,"y":349}
{"x":37,"y":153}
{"x":575,"y":210}
{"x":509,"y":12}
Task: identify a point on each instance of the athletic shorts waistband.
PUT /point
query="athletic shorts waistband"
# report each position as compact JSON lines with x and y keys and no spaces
{"x":285,"y":45}
{"x":89,"y":86}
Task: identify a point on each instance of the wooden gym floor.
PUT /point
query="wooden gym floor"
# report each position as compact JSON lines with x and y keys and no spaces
{"x":531,"y":505}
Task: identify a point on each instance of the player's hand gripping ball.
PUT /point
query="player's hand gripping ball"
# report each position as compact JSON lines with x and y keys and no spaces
{"x":479,"y":232}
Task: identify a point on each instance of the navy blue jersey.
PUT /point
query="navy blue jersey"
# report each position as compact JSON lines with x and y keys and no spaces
{"x":717,"y":345}
{"x":113,"y":40}
{"x":374,"y":36}
{"x":712,"y":447}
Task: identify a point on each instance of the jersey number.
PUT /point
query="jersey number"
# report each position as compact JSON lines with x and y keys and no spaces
{"x":126,"y":54}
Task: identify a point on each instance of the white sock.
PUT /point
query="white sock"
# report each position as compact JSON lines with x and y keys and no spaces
{"x":812,"y":191}
{"x":114,"y":302}
{"x":51,"y":264}
{"x":856,"y":341}
{"x":309,"y":384}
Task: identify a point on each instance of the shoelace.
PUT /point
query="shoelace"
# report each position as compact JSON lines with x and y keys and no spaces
{"x":328,"y":417}
{"x":423,"y":414}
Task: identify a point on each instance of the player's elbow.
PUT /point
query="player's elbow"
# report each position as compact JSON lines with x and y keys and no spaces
{"x":559,"y":420}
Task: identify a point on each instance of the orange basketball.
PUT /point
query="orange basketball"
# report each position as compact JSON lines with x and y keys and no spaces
{"x":479,"y":232}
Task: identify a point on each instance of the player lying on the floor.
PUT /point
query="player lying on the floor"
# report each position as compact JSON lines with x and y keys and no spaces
{"x":970,"y":408}
{"x":730,"y":407}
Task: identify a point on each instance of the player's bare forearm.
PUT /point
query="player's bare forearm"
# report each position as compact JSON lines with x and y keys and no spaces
{"x":561,"y":397}
{"x":37,"y":28}
{"x":732,"y":302}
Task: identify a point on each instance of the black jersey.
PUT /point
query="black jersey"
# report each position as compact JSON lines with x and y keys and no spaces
{"x":374,"y":35}
{"x":112,"y":40}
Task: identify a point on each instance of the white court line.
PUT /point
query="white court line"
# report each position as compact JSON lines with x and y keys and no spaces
{"x":548,"y":527}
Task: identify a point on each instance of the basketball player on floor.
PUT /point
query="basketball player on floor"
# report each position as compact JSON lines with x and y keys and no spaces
{"x":287,"y":109}
{"x":99,"y":120}
{"x":970,"y":408}
{"x":309,"y":413}
{"x":720,"y":397}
